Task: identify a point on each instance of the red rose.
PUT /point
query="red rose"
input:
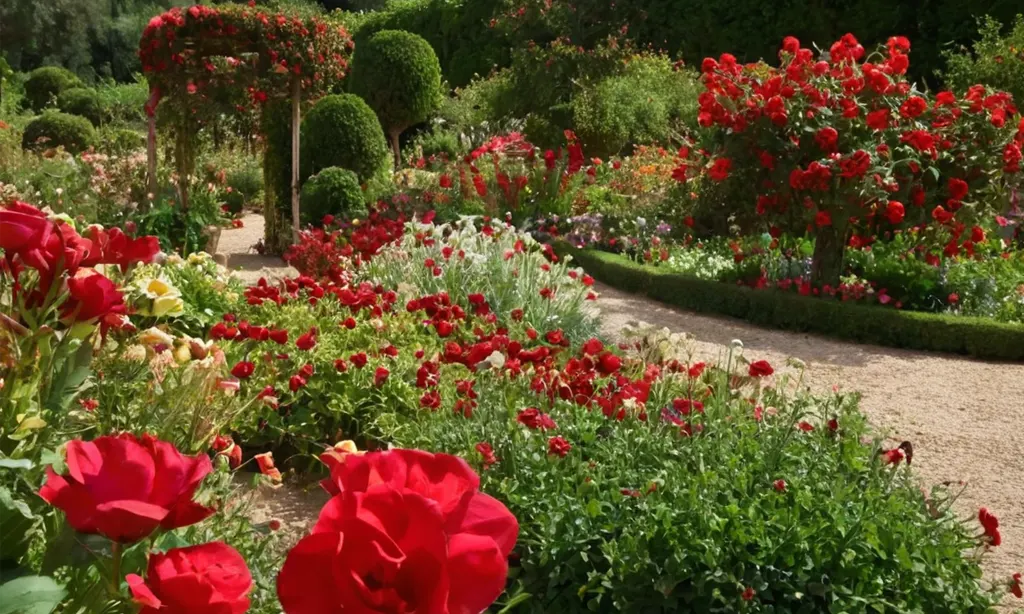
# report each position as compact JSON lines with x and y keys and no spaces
{"x":358,"y":359}
{"x":719,"y":171}
{"x":243,"y":370}
{"x":827,"y":139}
{"x":780,"y":485}
{"x":913,"y":106}
{"x":114,"y":247}
{"x":958,"y":189}
{"x":124,"y":488}
{"x":558,"y":446}
{"x":409,"y":532}
{"x":380,"y":376}
{"x":279,"y":336}
{"x":93,"y":296}
{"x":878,"y":120}
{"x":444,"y":328}
{"x":895,"y":212}
{"x":760,"y":368}
{"x":533,"y":419}
{"x":307,"y":341}
{"x":24,"y":231}
{"x":608,"y":363}
{"x":208,"y":579}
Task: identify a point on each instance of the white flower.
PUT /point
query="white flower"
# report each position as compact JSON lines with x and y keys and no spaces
{"x":736,"y":344}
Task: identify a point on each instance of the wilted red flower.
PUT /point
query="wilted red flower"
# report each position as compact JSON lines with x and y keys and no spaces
{"x":990,"y":524}
{"x":534,"y":419}
{"x":408,"y":532}
{"x":558,"y":446}
{"x":266,"y":465}
{"x":207,"y":579}
{"x":760,"y":368}
{"x":124,"y":487}
{"x":486,"y":451}
{"x":892,"y":457}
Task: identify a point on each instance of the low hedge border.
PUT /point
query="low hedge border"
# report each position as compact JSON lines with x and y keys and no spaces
{"x":776,"y":309}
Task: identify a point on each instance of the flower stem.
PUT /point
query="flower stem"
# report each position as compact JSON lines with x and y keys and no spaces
{"x":115,"y":568}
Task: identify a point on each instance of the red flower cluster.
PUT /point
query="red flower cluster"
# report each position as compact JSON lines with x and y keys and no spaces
{"x":407,"y":531}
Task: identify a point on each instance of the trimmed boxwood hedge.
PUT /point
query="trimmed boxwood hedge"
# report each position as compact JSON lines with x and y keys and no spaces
{"x":976,"y":337}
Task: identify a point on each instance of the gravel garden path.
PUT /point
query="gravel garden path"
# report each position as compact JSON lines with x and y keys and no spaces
{"x":964,"y":417}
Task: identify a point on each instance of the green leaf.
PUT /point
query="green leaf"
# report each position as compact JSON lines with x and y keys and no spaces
{"x":15,"y":463}
{"x":66,"y":384}
{"x":30,"y":595}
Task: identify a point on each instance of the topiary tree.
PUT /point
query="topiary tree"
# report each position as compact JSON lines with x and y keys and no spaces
{"x":397,"y":73}
{"x":84,"y":102}
{"x":53,"y":129}
{"x":46,"y":83}
{"x":341,"y":130}
{"x":333,"y":191}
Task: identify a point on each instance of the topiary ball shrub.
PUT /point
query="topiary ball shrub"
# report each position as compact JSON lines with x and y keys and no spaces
{"x":341,"y":130}
{"x":333,"y":191}
{"x":84,"y":102}
{"x":398,"y":74}
{"x":46,"y":83}
{"x":53,"y":129}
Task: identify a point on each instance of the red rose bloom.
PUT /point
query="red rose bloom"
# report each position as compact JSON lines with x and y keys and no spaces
{"x":760,"y":368}
{"x":307,"y":341}
{"x":409,"y":531}
{"x":913,"y":107}
{"x":533,"y":419}
{"x":558,"y":446}
{"x":958,"y":189}
{"x":894,"y":212}
{"x":124,"y":488}
{"x":279,"y":336}
{"x":878,"y":120}
{"x":208,"y":579}
{"x":719,"y":171}
{"x":243,"y":370}
{"x":380,"y":376}
{"x":608,"y":363}
{"x":93,"y":296}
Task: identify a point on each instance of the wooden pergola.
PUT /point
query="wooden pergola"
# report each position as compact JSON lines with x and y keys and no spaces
{"x":189,"y":52}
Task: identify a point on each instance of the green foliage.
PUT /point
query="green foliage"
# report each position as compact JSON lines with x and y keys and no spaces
{"x":397,"y":73}
{"x":45,"y":84}
{"x":906,"y":329}
{"x":54,"y":129}
{"x":124,"y":102}
{"x":341,"y":130}
{"x":648,"y":104}
{"x":333,"y":191}
{"x":84,"y":102}
{"x":119,"y":141}
{"x":458,"y":30}
{"x":995,"y":60}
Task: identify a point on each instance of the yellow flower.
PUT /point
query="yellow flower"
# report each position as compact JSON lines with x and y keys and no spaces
{"x":182,"y":354}
{"x":168,"y":306}
{"x":155,"y":336}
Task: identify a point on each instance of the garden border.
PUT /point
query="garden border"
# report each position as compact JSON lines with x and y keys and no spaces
{"x":973,"y":336}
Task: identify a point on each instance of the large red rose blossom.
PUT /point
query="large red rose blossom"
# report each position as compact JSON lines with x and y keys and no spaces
{"x":208,"y":579}
{"x":125,"y":487}
{"x":408,"y":531}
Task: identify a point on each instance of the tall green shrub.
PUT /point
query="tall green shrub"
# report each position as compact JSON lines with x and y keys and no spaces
{"x":995,"y":60}
{"x":45,"y":84}
{"x":84,"y":102}
{"x":341,"y":130}
{"x":398,"y":74}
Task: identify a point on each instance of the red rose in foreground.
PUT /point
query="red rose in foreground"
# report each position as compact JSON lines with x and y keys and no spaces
{"x":409,"y":532}
{"x":92,"y":296}
{"x":208,"y":579}
{"x":124,"y":488}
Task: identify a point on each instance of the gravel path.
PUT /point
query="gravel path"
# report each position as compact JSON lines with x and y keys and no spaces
{"x":965,"y":417}
{"x":238,"y":245}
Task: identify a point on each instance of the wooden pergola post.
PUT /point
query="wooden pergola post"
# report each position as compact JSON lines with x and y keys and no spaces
{"x":296,"y":122}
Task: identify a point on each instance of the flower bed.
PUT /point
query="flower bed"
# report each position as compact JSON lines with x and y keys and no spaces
{"x":584,"y":476}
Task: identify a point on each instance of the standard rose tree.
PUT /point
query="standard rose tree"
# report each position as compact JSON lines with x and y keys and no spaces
{"x":407,"y":531}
